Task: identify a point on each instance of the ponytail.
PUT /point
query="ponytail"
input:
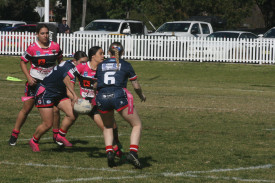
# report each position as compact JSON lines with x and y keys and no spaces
{"x":116,"y":49}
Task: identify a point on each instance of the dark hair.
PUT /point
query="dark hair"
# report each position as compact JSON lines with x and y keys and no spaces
{"x":116,"y":49}
{"x":92,"y":51}
{"x":40,"y":26}
{"x":79,"y":54}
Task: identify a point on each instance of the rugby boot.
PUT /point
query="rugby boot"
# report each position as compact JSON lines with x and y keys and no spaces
{"x":111,"y":159}
{"x":132,"y":158}
{"x":34,"y":146}
{"x":12,"y":140}
{"x":58,"y":143}
{"x":63,"y":140}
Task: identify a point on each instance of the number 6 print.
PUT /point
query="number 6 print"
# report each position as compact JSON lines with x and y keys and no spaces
{"x":109,"y":78}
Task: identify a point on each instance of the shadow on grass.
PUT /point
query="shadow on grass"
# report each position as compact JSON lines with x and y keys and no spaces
{"x":267,"y":86}
{"x":145,"y":161}
{"x":153,"y":78}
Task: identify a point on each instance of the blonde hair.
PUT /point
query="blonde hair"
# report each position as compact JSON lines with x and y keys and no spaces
{"x":116,"y":49}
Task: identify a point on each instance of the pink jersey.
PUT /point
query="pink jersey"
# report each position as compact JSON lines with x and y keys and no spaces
{"x":42,"y":59}
{"x":86,"y":73}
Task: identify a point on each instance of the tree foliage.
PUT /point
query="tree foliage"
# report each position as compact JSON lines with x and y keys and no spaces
{"x":267,"y":8}
{"x":157,"y":11}
{"x":19,"y":10}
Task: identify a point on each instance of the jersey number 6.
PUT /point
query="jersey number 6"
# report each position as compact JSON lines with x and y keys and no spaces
{"x":109,"y":78}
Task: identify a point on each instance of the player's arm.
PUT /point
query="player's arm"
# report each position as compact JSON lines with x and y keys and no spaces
{"x":69,"y":94}
{"x":70,"y":87}
{"x":24,"y":68}
{"x":138,"y":90}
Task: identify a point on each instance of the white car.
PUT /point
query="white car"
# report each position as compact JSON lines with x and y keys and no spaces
{"x":184,"y":29}
{"x":114,"y":27}
{"x":233,"y":34}
{"x":225,"y":45}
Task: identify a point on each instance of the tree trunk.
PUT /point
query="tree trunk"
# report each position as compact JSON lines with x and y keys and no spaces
{"x":69,"y":12}
{"x":84,"y":13}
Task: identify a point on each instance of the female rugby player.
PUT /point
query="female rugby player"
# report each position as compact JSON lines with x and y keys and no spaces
{"x":42,"y":55}
{"x":112,"y":75}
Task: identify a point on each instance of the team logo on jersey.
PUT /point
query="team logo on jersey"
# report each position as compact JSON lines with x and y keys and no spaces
{"x":39,"y":101}
{"x":46,"y":53}
{"x":110,"y":66}
{"x":86,"y":83}
{"x":48,"y":101}
{"x":38,"y":53}
{"x":85,"y":74}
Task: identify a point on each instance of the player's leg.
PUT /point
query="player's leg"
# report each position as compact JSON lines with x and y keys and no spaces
{"x":47,"y":122}
{"x":67,"y":122}
{"x":56,"y":123}
{"x":135,"y":122}
{"x":108,"y":136}
{"x":20,"y":120}
{"x":95,"y":116}
{"x":97,"y":119}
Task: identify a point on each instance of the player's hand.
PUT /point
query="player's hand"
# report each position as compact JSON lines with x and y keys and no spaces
{"x":32,"y":81}
{"x":74,"y":100}
{"x":143,"y":98}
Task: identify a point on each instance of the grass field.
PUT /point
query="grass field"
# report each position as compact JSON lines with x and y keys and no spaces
{"x":202,"y":122}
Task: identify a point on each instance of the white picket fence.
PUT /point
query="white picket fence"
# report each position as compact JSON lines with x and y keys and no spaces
{"x":155,"y":47}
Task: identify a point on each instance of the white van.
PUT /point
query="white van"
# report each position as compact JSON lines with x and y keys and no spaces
{"x":7,"y":25}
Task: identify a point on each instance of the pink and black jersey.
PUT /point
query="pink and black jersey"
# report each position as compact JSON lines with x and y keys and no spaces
{"x":86,"y":82}
{"x":42,"y":59}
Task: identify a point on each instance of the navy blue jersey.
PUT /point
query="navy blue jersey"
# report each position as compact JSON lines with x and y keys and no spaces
{"x":54,"y":80}
{"x":108,"y":75}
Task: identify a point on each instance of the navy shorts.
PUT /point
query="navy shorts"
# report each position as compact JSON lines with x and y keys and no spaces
{"x":95,"y":108}
{"x":111,"y":98}
{"x":47,"y":99}
{"x":30,"y":90}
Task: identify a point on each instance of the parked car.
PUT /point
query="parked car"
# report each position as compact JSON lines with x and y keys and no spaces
{"x":114,"y":27}
{"x":25,"y":28}
{"x":232,"y":44}
{"x":184,"y":29}
{"x":269,"y":34}
{"x":8,"y":25}
{"x":233,"y":34}
{"x":12,"y":40}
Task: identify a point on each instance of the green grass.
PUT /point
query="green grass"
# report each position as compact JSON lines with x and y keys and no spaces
{"x":202,"y":122}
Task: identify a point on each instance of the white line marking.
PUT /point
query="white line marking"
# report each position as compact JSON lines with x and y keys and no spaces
{"x":66,"y":167}
{"x":268,"y":166}
{"x":100,"y":178}
{"x":147,"y":175}
{"x":272,"y":129}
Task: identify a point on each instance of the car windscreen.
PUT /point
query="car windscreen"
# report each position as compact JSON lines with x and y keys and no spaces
{"x":4,"y":25}
{"x":103,"y":26}
{"x":270,"y":34}
{"x":224,"y":35}
{"x":25,"y":29}
{"x":174,"y":27}
{"x":136,"y":28}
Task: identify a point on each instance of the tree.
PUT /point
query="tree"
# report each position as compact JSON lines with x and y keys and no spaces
{"x":84,"y":8}
{"x":267,"y":8}
{"x":12,"y":10}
